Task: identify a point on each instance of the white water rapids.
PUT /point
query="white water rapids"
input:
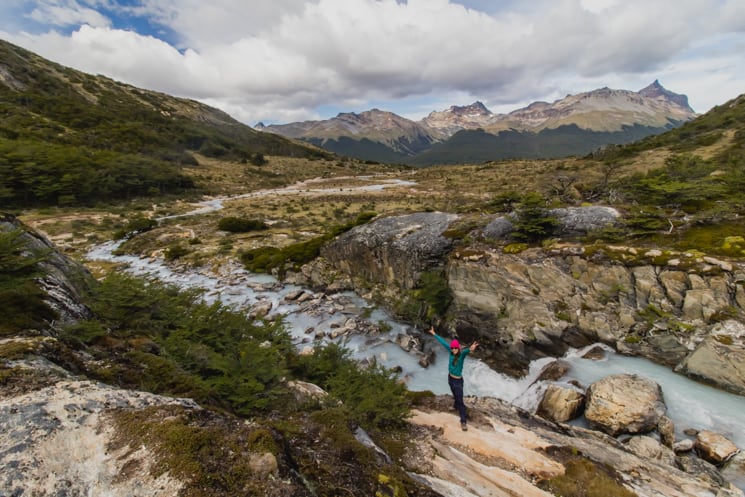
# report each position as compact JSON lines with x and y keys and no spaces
{"x":690,"y":404}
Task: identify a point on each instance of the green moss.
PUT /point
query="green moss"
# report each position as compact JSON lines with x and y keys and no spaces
{"x":728,"y":312}
{"x":586,"y":478}
{"x":16,"y":349}
{"x":515,"y":248}
{"x":652,"y":313}
{"x":261,"y":440}
{"x":209,"y":454}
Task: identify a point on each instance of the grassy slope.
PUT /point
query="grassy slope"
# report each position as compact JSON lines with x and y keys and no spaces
{"x":68,"y":138}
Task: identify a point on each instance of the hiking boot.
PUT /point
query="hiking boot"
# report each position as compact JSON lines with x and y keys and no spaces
{"x":463,"y":426}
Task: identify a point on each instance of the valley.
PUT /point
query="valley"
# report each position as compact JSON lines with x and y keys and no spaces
{"x":638,"y":248}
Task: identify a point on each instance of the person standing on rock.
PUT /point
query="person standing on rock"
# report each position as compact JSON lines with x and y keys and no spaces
{"x":455,"y":371}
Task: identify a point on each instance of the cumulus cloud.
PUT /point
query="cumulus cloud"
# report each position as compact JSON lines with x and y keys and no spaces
{"x":282,"y":60}
{"x":66,"y":13}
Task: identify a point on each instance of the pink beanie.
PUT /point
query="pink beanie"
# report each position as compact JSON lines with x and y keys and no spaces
{"x":455,"y":344}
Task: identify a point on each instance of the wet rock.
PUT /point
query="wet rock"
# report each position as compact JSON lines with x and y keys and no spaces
{"x":624,"y":403}
{"x":713,"y":447}
{"x":406,"y":342}
{"x":718,"y":359}
{"x":666,"y":428}
{"x":595,"y":353}
{"x":734,"y":469}
{"x":427,"y":358}
{"x":294,"y":295}
{"x":682,"y":446}
{"x":260,"y":309}
{"x":560,"y":403}
{"x":553,"y":371}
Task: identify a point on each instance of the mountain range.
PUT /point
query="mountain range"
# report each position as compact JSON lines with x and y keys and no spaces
{"x":573,"y":125}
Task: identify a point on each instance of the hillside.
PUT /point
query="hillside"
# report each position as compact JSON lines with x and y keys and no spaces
{"x":129,"y":385}
{"x":573,"y":125}
{"x":67,"y":137}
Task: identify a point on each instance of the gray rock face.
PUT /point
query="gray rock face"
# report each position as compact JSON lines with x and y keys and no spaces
{"x":64,"y":281}
{"x":54,"y":442}
{"x":719,"y":358}
{"x":581,"y":220}
{"x":570,"y":221}
{"x":624,"y":404}
{"x":393,"y":250}
{"x":541,"y":301}
{"x":498,"y":228}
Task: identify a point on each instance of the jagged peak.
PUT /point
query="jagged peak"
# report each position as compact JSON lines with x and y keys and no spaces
{"x":656,"y":90}
{"x":477,"y":107}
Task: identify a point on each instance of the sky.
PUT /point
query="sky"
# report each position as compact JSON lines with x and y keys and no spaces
{"x":280,"y":61}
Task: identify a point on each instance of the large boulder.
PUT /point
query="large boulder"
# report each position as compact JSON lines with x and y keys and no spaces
{"x":581,"y":220}
{"x":624,"y":403}
{"x":561,"y":403}
{"x":393,"y":250}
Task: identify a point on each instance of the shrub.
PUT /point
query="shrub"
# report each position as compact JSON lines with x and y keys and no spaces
{"x":373,"y":397}
{"x":240,"y":225}
{"x":138,"y":224}
{"x":533,"y":223}
{"x":175,"y":252}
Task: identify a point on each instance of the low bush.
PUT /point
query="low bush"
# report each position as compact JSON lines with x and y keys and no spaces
{"x":240,"y":225}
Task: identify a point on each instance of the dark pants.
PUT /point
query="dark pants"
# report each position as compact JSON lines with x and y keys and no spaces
{"x":456,"y":386}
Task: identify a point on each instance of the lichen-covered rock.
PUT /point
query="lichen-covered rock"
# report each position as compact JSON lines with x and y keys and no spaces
{"x":393,"y":250}
{"x":498,"y":229}
{"x":624,"y":403}
{"x":581,"y":220}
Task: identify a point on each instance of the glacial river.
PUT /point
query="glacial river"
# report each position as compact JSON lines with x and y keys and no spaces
{"x":690,"y":404}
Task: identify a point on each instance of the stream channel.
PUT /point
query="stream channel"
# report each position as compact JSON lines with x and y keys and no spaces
{"x":689,"y":404}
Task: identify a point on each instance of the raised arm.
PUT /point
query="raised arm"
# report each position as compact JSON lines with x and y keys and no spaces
{"x":442,"y":341}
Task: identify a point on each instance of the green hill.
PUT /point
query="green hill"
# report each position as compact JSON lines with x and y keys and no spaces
{"x":473,"y":146}
{"x":69,"y":138}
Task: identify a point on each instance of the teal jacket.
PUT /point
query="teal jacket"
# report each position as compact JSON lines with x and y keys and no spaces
{"x":455,"y":363}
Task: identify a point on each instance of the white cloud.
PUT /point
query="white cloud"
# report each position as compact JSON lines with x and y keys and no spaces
{"x":282,"y":60}
{"x":66,"y":13}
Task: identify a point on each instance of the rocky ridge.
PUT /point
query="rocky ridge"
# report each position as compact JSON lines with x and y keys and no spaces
{"x":602,"y":110}
{"x":682,"y":310}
